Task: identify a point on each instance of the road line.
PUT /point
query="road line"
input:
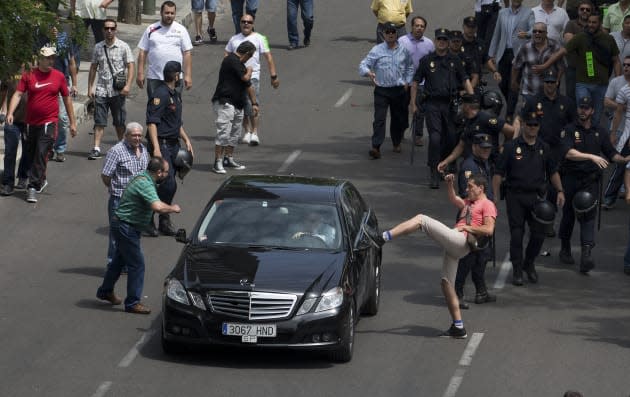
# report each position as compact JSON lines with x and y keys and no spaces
{"x":464,"y":363}
{"x":455,"y":382}
{"x":344,"y":98}
{"x":102,"y":389}
{"x":287,"y":163}
{"x":499,"y":283}
{"x":471,"y":348}
{"x":128,"y":359}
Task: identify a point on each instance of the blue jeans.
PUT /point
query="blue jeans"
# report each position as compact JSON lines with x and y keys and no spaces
{"x":306,"y":12}
{"x":251,"y":6}
{"x":112,"y":205}
{"x":13,"y":135}
{"x":62,"y":129}
{"x":129,"y":254}
{"x":597,"y":93}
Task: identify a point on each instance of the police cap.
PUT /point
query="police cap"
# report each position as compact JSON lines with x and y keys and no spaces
{"x":455,"y":35}
{"x":441,"y":33}
{"x":550,"y":76}
{"x":389,"y":26}
{"x":530,"y":117}
{"x":586,"y":102}
{"x":483,"y":140}
{"x":470,"y":99}
{"x":172,"y":67}
{"x":471,"y":22}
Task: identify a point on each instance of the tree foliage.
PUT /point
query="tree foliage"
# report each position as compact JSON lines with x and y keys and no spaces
{"x":24,"y":25}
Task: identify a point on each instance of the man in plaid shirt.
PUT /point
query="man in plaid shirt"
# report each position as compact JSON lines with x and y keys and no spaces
{"x":535,"y":52}
{"x":123,"y":161}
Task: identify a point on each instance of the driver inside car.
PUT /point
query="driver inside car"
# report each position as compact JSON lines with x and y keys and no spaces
{"x":314,"y":226}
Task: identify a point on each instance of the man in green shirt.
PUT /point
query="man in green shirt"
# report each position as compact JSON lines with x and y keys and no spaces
{"x":137,"y":204}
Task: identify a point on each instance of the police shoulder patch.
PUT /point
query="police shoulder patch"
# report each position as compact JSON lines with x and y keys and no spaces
{"x":156,"y":101}
{"x":493,"y":121}
{"x":467,"y":174}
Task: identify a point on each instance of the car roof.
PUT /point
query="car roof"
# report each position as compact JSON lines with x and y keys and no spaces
{"x":281,"y":187}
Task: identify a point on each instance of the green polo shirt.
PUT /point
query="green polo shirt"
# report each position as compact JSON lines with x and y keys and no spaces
{"x":578,"y":48}
{"x":613,"y":20}
{"x":135,"y":203}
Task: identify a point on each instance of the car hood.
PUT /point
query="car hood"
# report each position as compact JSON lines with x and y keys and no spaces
{"x":271,"y":270}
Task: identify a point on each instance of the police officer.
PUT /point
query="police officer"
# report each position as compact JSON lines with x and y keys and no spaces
{"x":473,"y":48}
{"x":476,"y":163}
{"x":164,"y":130}
{"x":584,"y":143}
{"x":476,"y":121}
{"x":442,"y":73}
{"x":471,"y":67}
{"x":527,"y":165}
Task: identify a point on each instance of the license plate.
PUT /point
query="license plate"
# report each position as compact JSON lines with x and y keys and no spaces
{"x":249,"y":333}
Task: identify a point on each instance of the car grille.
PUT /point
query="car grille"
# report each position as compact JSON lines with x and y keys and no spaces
{"x":252,"y":305}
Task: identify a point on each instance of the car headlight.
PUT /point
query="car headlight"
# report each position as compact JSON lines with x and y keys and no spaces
{"x":330,"y":299}
{"x":306,"y":306}
{"x":176,"y":291}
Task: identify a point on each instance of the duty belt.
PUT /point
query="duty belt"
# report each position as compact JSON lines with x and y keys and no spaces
{"x":168,"y":141}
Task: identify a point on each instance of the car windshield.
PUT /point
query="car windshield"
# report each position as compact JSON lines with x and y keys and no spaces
{"x":272,"y":224}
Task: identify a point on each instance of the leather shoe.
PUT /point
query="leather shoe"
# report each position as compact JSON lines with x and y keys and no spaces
{"x":484,"y":297}
{"x":532,"y":276}
{"x":111,"y":298}
{"x":138,"y":308}
{"x":151,"y":231}
{"x":166,"y":227}
{"x":375,"y":153}
{"x":566,"y":257}
{"x":517,"y":277}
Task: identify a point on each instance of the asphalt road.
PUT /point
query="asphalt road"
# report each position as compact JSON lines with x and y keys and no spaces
{"x":568,"y":332}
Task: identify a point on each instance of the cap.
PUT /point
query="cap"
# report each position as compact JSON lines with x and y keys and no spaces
{"x":389,"y":26}
{"x":172,"y":67}
{"x":470,"y":98}
{"x":550,"y":75}
{"x":530,"y":116}
{"x":47,"y":51}
{"x":441,"y":33}
{"x":455,"y":35}
{"x":471,"y":22}
{"x":585,"y":101}
{"x":482,"y":140}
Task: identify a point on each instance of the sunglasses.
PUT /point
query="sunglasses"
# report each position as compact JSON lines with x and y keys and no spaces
{"x":626,"y":64}
{"x":390,"y":31}
{"x":247,"y":22}
{"x":539,"y":31}
{"x":585,"y":9}
{"x":549,"y":82}
{"x":108,"y":29}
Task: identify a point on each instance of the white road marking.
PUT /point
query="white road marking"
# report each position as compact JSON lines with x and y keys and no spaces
{"x":102,"y":389}
{"x":471,"y":348}
{"x":464,"y":362}
{"x":129,"y":357}
{"x":289,"y":161}
{"x":499,"y":283}
{"x":344,"y":98}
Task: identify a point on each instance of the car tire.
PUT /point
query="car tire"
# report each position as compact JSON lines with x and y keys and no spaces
{"x":371,"y":306}
{"x":170,"y":347}
{"x":343,"y":353}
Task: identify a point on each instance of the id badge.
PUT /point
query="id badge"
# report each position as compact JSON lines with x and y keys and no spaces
{"x":590,"y":68}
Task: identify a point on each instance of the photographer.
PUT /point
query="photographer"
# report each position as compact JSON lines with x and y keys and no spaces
{"x":113,"y":62}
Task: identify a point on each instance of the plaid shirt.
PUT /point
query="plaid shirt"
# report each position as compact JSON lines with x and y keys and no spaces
{"x":527,"y":56}
{"x":119,"y":55}
{"x":122,"y":164}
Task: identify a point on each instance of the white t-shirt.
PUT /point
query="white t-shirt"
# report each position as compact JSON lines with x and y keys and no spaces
{"x":623,"y":97}
{"x":90,"y":9}
{"x":555,"y":21}
{"x":163,"y":44}
{"x":258,"y":40}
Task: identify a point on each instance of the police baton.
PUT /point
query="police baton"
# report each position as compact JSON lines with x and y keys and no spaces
{"x":412,"y":130}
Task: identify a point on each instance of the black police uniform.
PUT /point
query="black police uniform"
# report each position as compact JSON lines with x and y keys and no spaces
{"x":581,"y":176}
{"x":442,"y":76}
{"x":527,"y":170}
{"x":482,"y":122}
{"x":164,"y":109}
{"x":473,"y":52}
{"x":474,"y":262}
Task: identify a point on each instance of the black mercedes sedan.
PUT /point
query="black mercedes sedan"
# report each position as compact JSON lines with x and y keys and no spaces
{"x":275,"y":261}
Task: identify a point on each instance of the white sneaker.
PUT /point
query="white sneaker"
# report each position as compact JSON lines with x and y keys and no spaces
{"x":41,"y":189}
{"x":254,"y":141}
{"x":230,"y":163}
{"x":218,"y":167}
{"x":246,"y":138}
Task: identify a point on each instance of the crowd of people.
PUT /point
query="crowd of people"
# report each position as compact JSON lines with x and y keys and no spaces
{"x":567,"y":74}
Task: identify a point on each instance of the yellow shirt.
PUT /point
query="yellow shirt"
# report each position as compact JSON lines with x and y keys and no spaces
{"x":395,"y":11}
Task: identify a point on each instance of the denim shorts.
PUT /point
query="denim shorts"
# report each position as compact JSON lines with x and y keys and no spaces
{"x":115,"y":104}
{"x":198,"y":5}
{"x":249,"y":110}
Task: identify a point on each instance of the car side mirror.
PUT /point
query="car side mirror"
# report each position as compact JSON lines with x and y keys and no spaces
{"x":180,"y":236}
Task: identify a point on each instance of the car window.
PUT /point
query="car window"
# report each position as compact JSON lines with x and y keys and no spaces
{"x":271,"y":223}
{"x":354,"y":207}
